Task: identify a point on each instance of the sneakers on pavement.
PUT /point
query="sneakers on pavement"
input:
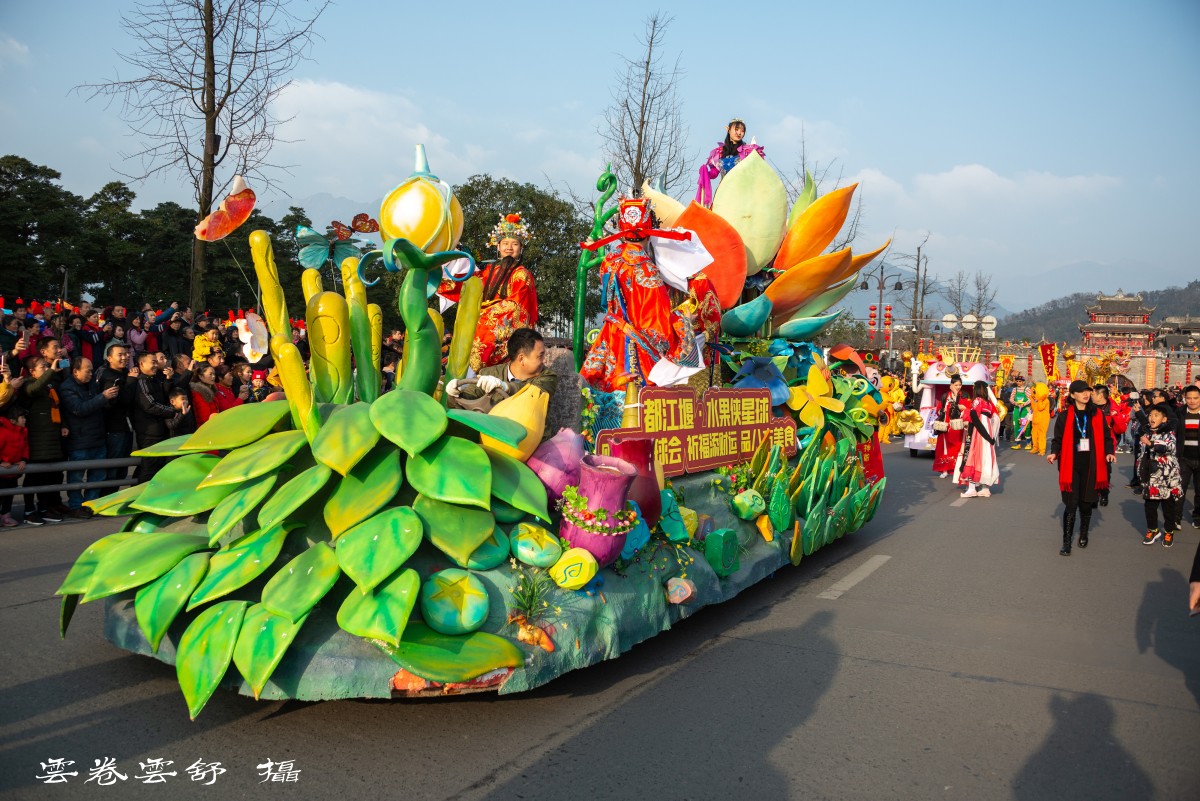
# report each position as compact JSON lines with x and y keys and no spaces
{"x":1196,"y":523}
{"x":7,"y":521}
{"x":34,"y":519}
{"x":970,"y":493}
{"x":51,"y":516}
{"x":984,"y":492}
{"x":1168,"y":539}
{"x":1151,"y":537}
{"x":943,"y":475}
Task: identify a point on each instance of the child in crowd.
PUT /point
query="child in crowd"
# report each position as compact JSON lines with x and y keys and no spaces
{"x":185,"y":423}
{"x":259,"y":389}
{"x":1159,"y":474}
{"x":14,"y":452}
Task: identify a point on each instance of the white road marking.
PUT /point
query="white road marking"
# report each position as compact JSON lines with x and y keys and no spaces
{"x":867,"y":568}
{"x":1008,"y":467}
{"x":960,"y":502}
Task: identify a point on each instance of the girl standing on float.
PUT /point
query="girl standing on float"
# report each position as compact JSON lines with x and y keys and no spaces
{"x":977,"y":465}
{"x":950,"y":425}
{"x":1082,"y":449}
{"x":723,"y":158}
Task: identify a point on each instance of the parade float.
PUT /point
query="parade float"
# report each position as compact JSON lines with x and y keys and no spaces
{"x":347,"y":543}
{"x":931,"y":375}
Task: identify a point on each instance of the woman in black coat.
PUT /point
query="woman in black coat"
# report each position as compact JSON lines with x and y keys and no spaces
{"x":1082,"y":448}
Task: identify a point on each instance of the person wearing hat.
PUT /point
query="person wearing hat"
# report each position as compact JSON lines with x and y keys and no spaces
{"x":509,"y":294}
{"x":1021,"y":415}
{"x":642,"y":340}
{"x":259,"y":388}
{"x":724,"y":157}
{"x":1082,"y":449}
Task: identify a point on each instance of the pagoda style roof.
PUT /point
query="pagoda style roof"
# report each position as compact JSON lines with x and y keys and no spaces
{"x":1116,"y":328}
{"x":1119,"y":303}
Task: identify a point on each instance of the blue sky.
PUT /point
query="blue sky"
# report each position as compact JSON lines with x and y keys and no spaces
{"x":1051,"y":144}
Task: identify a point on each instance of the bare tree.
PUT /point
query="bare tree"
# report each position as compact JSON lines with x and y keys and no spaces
{"x":825,"y":182}
{"x":643,"y":131}
{"x":957,"y":292}
{"x":983,"y":296}
{"x":922,"y":287}
{"x":206,"y":75}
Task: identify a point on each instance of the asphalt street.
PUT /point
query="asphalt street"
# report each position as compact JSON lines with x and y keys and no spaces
{"x":944,"y":651}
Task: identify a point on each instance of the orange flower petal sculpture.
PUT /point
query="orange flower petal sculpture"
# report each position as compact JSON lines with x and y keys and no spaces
{"x":863,"y":259}
{"x":233,"y":211}
{"x":727,"y":273}
{"x":815,"y":228}
{"x":795,"y":287}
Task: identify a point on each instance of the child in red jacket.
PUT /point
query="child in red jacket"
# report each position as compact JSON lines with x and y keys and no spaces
{"x":14,"y":452}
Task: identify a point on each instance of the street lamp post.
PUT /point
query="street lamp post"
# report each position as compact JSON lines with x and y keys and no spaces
{"x":881,"y":278}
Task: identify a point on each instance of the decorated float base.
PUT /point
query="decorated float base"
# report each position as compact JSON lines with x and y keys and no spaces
{"x":628,"y":605}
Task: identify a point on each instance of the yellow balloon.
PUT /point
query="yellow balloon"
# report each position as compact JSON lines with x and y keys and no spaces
{"x":422,"y":210}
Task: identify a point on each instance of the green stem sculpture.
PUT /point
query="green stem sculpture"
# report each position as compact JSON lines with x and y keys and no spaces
{"x":423,"y":367}
{"x":588,"y":259}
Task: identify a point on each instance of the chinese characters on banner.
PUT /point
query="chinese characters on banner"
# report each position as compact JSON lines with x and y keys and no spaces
{"x":155,"y":771}
{"x":692,"y":435}
{"x":1049,"y":353}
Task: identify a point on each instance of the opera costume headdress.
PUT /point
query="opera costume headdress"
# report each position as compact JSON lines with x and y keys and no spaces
{"x":511,"y":226}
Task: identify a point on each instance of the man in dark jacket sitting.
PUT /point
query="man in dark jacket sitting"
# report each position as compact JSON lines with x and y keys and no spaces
{"x":151,"y":412}
{"x":83,"y":404}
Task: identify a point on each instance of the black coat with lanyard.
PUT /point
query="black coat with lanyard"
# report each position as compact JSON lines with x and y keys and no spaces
{"x":1089,"y":426}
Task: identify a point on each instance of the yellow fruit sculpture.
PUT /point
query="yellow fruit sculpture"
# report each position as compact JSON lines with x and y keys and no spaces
{"x":422,"y":210}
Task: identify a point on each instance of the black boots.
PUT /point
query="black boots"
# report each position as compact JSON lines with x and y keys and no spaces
{"x":1085,"y":520}
{"x":1068,"y":527}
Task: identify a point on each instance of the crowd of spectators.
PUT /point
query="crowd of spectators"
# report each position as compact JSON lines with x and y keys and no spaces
{"x":80,"y":384}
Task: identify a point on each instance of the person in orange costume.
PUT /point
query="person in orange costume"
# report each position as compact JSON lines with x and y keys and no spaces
{"x":1041,"y":416}
{"x":640,"y":328}
{"x":509,"y":294}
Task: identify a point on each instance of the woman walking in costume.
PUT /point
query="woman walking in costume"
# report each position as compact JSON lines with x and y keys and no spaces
{"x":1082,"y":449}
{"x":949,"y":427}
{"x":976,"y":465}
{"x":723,"y":158}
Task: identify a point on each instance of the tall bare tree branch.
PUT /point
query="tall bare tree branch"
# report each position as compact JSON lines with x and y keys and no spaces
{"x":643,"y":132}
{"x":205,"y":76}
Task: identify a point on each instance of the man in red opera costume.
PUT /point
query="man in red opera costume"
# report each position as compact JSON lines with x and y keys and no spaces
{"x":640,"y":328}
{"x":509,"y":294}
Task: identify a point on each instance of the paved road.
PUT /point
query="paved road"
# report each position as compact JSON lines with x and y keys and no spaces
{"x":945,"y":651}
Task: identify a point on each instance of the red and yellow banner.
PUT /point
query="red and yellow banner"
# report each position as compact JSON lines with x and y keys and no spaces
{"x":1049,"y":353}
{"x":1006,"y":366}
{"x":692,"y":435}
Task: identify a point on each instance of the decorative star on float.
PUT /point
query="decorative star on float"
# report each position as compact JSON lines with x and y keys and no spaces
{"x":457,"y":591}
{"x":814,"y":398}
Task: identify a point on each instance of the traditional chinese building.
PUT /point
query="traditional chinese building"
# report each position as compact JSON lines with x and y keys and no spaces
{"x":1179,"y":333}
{"x":1118,"y":321}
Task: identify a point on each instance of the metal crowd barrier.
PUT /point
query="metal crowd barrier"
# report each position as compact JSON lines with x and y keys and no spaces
{"x":58,"y":467}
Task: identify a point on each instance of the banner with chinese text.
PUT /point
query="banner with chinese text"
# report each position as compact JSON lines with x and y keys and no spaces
{"x":692,"y":435}
{"x":1049,"y":353}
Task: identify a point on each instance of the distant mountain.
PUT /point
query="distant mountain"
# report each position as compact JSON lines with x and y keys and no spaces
{"x":1058,"y":320}
{"x":1017,"y":289}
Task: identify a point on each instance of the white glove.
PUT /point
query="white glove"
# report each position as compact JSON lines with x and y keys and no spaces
{"x":898,"y":406}
{"x":488,"y":383}
{"x":452,"y":388}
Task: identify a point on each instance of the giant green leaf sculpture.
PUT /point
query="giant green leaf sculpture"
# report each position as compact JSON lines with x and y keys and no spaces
{"x":205,"y":651}
{"x":158,"y":603}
